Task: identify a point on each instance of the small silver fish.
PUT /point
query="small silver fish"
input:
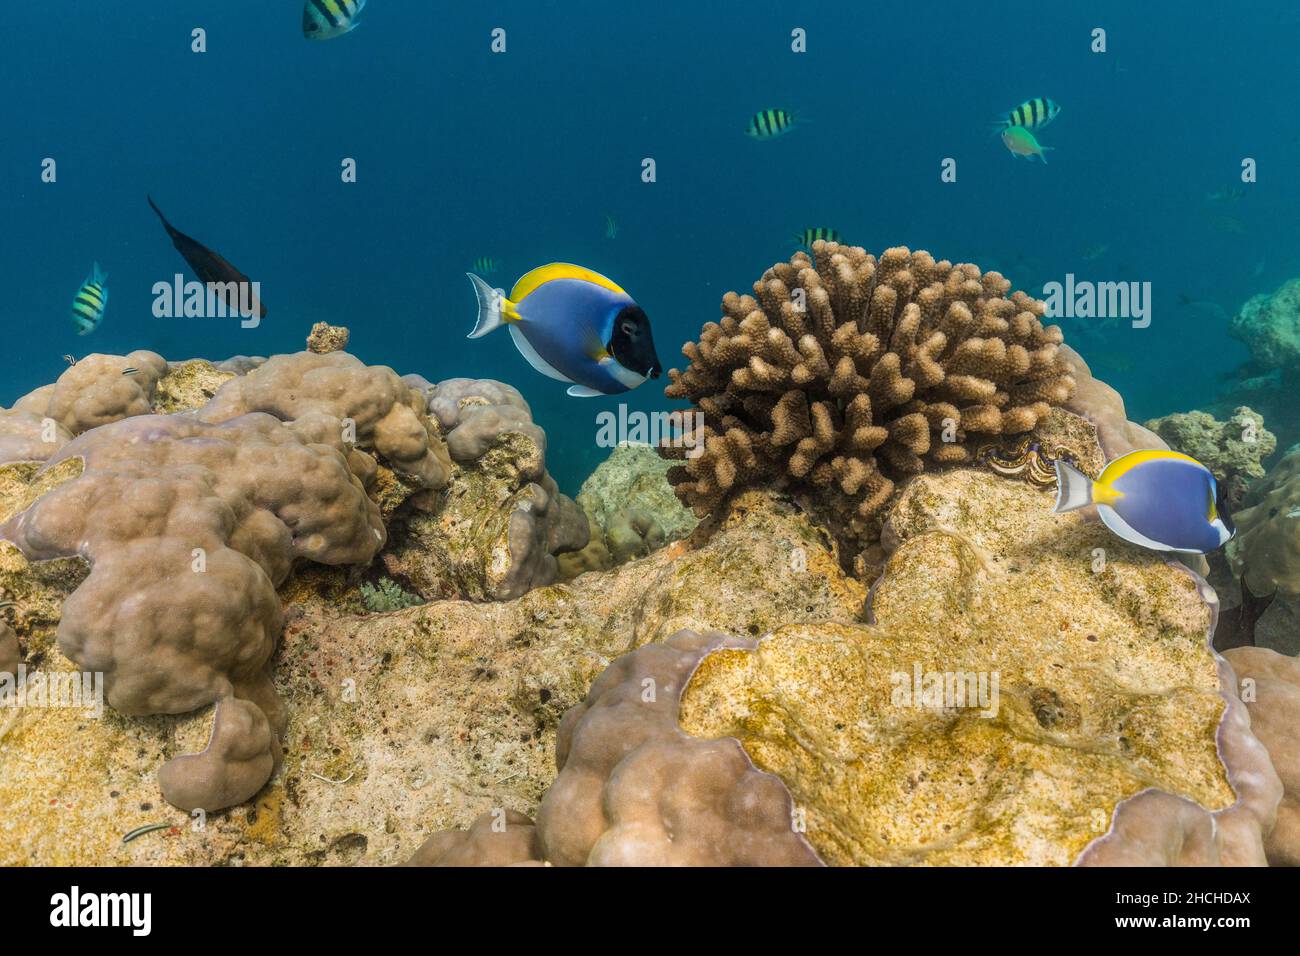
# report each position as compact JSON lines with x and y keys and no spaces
{"x":611,"y":227}
{"x":129,"y":371}
{"x":70,"y":359}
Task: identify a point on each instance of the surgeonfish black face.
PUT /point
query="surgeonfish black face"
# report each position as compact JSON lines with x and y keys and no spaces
{"x":1221,"y":507}
{"x":632,"y":344}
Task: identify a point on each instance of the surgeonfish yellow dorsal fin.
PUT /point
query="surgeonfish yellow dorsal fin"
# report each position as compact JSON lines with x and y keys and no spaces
{"x":558,"y":270}
{"x":1103,"y":491}
{"x":1126,"y":463}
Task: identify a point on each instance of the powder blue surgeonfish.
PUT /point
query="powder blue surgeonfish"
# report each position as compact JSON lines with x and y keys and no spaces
{"x":573,"y":325}
{"x":1159,"y":500}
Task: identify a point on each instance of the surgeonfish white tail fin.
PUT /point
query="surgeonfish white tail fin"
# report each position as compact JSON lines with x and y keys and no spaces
{"x":1073,"y":488}
{"x":490,"y":302}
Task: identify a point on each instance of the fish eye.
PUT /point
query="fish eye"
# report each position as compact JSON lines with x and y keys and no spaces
{"x":629,"y":328}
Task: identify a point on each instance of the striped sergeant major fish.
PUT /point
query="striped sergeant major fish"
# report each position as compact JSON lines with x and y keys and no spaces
{"x":1031,"y":114}
{"x":327,"y":19}
{"x":811,"y":235}
{"x":486,"y":265}
{"x":768,"y":124}
{"x":91,"y":302}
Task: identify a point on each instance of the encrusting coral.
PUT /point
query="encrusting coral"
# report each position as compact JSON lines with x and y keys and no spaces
{"x":843,"y":374}
{"x":1233,"y":450}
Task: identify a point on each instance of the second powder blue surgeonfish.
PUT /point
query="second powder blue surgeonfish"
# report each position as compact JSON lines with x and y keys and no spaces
{"x":1161,"y":500}
{"x":573,"y":325}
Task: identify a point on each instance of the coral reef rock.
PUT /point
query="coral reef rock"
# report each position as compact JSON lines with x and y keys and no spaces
{"x":503,"y":521}
{"x":1266,"y":549}
{"x":631,"y":510}
{"x":1233,"y":450}
{"x":1269,"y":325}
{"x":326,"y":338}
{"x":844,"y":374}
{"x":401,"y":724}
{"x":1108,"y":700}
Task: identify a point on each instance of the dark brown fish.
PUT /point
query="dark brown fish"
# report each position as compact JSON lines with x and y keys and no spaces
{"x":209,"y":266}
{"x":1236,"y":627}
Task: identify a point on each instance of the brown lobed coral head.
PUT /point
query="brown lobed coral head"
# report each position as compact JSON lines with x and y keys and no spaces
{"x":844,"y":374}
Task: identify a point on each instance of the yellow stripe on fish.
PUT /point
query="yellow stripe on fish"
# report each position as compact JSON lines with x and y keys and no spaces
{"x":766,"y":124}
{"x":558,"y":270}
{"x":1032,"y":114}
{"x":90,"y":302}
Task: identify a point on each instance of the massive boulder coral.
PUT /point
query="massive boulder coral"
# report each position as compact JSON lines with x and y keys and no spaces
{"x":1103,"y":407}
{"x":503,"y":522}
{"x":369,"y":405}
{"x":844,"y":374}
{"x":188,"y":528}
{"x":1270,"y":687}
{"x":98,"y":390}
{"x":634,"y":790}
{"x":1234,"y":450}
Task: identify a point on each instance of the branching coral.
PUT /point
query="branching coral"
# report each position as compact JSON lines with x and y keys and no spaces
{"x":846,"y":374}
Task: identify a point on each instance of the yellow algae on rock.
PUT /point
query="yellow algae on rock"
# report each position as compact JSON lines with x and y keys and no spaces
{"x":1025,"y":672}
{"x":187,"y":386}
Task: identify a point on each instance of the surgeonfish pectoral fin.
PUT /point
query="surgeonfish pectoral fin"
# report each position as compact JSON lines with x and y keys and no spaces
{"x":1073,"y":488}
{"x":582,"y":391}
{"x":491,"y":303}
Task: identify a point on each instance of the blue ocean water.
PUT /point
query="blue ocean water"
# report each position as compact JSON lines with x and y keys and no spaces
{"x":521,"y":155}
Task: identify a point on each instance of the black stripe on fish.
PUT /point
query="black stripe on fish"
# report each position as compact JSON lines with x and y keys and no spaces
{"x":325,"y":12}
